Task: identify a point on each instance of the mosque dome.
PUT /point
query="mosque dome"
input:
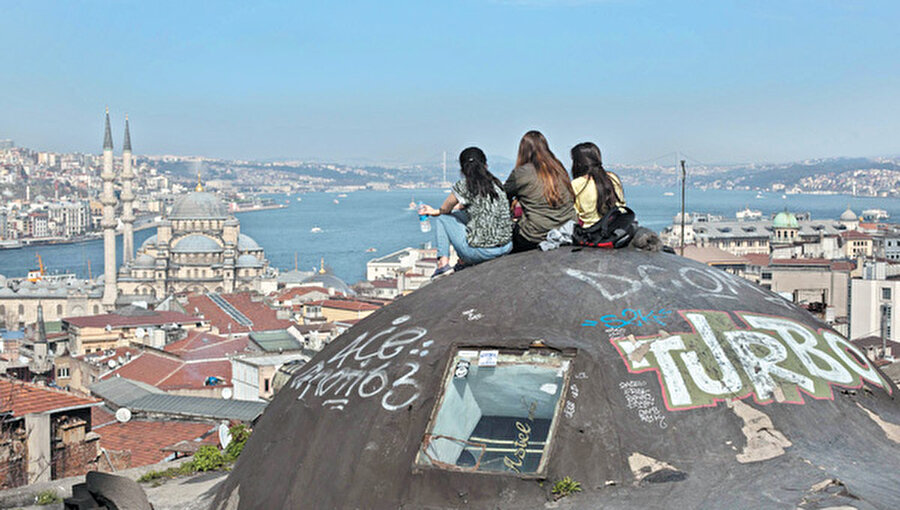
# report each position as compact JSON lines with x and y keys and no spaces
{"x":150,"y":241}
{"x":329,"y":281}
{"x":848,"y":215}
{"x":247,"y":243}
{"x":198,"y":205}
{"x":144,"y":261}
{"x":653,"y":380}
{"x":196,"y":243}
{"x":248,"y":261}
{"x":784,"y":219}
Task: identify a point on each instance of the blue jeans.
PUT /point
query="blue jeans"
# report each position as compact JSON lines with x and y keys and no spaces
{"x":451,"y":229}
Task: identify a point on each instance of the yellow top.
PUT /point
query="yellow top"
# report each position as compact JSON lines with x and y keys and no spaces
{"x":199,"y":183}
{"x":586,"y":198}
{"x":322,"y":266}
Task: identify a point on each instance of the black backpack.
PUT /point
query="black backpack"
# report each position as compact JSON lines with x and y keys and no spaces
{"x":614,"y":230}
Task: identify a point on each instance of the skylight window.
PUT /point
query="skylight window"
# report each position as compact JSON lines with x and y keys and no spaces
{"x":497,"y":412}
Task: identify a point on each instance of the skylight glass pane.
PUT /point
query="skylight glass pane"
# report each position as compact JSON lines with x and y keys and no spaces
{"x":496,"y":418}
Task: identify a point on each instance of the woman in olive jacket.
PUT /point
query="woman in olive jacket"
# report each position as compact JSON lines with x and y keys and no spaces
{"x":542,"y":188}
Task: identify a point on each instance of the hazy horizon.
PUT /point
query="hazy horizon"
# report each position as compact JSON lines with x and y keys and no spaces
{"x":397,"y":83}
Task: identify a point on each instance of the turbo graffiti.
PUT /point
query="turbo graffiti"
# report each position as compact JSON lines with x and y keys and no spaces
{"x":775,"y":360}
{"x":367,"y":367}
{"x":630,"y":316}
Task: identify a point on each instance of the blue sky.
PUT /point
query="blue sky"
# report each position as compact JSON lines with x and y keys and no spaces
{"x":399,"y":82}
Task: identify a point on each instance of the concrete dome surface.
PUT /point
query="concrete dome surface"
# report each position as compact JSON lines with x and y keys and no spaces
{"x":198,"y":205}
{"x":653,"y":380}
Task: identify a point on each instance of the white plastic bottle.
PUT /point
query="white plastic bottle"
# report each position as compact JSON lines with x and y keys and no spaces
{"x":424,"y":221}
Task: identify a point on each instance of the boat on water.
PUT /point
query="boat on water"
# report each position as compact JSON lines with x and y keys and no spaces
{"x":783,"y":197}
{"x":342,"y":195}
{"x":875,"y":214}
{"x":299,"y":199}
{"x":315,"y":230}
{"x":668,"y":194}
{"x":371,"y":250}
{"x":748,"y":214}
{"x":336,"y":201}
{"x":759,"y":195}
{"x":413,"y":205}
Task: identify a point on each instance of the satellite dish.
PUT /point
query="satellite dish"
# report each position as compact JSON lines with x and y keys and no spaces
{"x":123,"y":415}
{"x":140,"y":333}
{"x":111,"y":363}
{"x":227,"y":393}
{"x":224,"y":435}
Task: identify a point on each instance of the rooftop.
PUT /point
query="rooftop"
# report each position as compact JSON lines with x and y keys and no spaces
{"x":275,"y":341}
{"x":21,"y":398}
{"x":115,"y":320}
{"x":235,"y":313}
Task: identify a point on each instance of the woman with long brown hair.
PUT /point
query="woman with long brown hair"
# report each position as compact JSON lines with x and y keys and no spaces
{"x":597,"y":190}
{"x":541,"y":185}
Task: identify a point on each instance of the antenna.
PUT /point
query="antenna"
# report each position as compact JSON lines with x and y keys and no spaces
{"x":683,"y":177}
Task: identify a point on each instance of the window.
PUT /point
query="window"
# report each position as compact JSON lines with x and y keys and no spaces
{"x":266,"y":384}
{"x":62,"y":372}
{"x":766,"y":275}
{"x":885,"y":293}
{"x":497,"y":412}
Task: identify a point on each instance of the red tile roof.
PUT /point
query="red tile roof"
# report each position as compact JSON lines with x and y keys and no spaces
{"x":170,"y":373}
{"x":801,"y":262}
{"x":855,"y":234}
{"x":390,"y":283}
{"x":150,"y":367}
{"x":356,"y":306}
{"x":263,"y":317}
{"x":121,"y":321}
{"x":758,"y":259}
{"x":23,"y":398}
{"x":145,"y":439}
{"x":200,"y":345}
{"x":293,"y":292}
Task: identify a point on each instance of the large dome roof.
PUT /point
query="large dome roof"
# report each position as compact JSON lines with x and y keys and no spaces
{"x":199,"y":205}
{"x":785,"y":219}
{"x":653,"y":380}
{"x":848,"y":215}
{"x":196,"y":243}
{"x":247,"y":243}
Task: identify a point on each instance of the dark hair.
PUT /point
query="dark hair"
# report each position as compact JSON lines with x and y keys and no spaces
{"x":479,"y":180}
{"x":534,"y":149}
{"x":587,"y":161}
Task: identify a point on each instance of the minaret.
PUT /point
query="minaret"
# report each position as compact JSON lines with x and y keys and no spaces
{"x":127,"y":199}
{"x":108,"y":199}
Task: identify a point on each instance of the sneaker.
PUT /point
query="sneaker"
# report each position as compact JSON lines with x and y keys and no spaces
{"x":442,"y":271}
{"x":459,"y":267}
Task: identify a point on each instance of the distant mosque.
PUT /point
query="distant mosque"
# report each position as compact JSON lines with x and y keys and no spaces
{"x":198,"y":247}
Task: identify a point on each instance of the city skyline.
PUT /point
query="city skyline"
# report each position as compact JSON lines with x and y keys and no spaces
{"x":400,"y":83}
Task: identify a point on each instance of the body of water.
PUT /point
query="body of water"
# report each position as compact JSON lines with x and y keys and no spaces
{"x":382,"y":220}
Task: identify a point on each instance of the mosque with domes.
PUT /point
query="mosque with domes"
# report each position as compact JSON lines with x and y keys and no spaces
{"x":198,"y":247}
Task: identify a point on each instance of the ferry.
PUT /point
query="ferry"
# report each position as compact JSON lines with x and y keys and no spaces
{"x":875,"y":214}
{"x":668,"y":194}
{"x":342,"y":195}
{"x":36,"y":275}
{"x":315,"y":230}
{"x":748,"y":214}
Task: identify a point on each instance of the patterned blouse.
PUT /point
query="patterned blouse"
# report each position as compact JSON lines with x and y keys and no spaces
{"x":489,"y":222}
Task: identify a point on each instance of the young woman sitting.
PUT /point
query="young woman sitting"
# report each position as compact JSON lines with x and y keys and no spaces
{"x":541,"y":185}
{"x":474,"y":218}
{"x":596,"y":190}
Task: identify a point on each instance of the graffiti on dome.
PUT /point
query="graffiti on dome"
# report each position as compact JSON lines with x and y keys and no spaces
{"x":698,"y":281}
{"x":382,"y":366}
{"x":773,"y":359}
{"x":628,"y":317}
